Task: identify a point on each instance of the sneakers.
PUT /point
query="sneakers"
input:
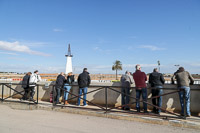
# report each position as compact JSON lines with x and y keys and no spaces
{"x":85,"y":105}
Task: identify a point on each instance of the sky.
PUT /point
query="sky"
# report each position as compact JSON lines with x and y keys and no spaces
{"x":34,"y":35}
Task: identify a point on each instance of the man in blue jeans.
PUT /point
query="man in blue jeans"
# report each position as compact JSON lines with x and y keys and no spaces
{"x":83,"y":82}
{"x":140,"y":79}
{"x":68,"y":82}
{"x":156,"y":80}
{"x":183,"y":77}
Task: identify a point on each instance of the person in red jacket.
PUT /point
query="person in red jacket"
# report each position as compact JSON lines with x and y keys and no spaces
{"x":140,"y":79}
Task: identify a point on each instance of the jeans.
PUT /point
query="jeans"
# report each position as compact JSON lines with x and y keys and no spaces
{"x":157,"y":101}
{"x":125,"y":96}
{"x":84,"y":91}
{"x":32,"y":91}
{"x":57,"y":94}
{"x":143,"y":91}
{"x":66,"y":88}
{"x":185,"y":95}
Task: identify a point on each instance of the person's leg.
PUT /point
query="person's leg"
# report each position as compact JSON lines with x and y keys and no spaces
{"x":138,"y":93}
{"x":26,"y":93}
{"x":80,"y":93}
{"x":123,"y":97}
{"x":159,"y":103}
{"x":181,"y":95}
{"x":127,"y":99}
{"x":58,"y":95}
{"x":144,"y":97}
{"x":67,"y":88}
{"x":84,"y":95}
{"x":154,"y":99}
{"x":187,"y":100}
{"x":32,"y":89}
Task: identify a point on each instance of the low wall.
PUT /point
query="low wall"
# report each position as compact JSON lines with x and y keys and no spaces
{"x":170,"y":102}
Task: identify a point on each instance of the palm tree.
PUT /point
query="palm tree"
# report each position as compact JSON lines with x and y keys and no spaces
{"x":117,"y":66}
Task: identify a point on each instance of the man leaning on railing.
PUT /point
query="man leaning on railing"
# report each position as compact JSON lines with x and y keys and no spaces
{"x":183,"y":77}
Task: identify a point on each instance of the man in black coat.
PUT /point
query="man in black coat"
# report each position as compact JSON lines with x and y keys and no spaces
{"x":25,"y":85}
{"x":83,"y":82}
{"x":156,"y":80}
{"x":59,"y":86}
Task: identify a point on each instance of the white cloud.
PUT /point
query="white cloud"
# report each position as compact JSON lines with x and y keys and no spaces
{"x":57,"y":30}
{"x":8,"y":53}
{"x":17,"y":47}
{"x":151,"y":47}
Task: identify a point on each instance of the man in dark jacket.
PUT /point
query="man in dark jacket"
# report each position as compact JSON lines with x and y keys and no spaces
{"x":184,"y":79}
{"x":140,"y":79}
{"x":156,"y":81}
{"x":25,"y":85}
{"x":59,"y":86}
{"x":83,"y":82}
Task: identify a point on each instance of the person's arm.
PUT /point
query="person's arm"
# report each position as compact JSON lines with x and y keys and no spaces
{"x":150,"y":79}
{"x":38,"y":78}
{"x":162,"y":79}
{"x":191,"y":79}
{"x":89,"y":80}
{"x":145,"y":77}
{"x":172,"y":79}
{"x":131,"y":79}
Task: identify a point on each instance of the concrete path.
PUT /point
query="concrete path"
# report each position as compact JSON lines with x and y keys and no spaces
{"x":42,"y":121}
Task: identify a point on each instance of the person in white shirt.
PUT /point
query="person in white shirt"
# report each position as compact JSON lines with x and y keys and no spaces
{"x":35,"y":77}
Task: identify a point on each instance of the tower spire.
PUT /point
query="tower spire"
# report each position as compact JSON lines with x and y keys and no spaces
{"x":69,"y":61}
{"x":69,"y":54}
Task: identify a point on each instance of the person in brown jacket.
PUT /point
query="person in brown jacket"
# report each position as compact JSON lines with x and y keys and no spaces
{"x":183,"y":77}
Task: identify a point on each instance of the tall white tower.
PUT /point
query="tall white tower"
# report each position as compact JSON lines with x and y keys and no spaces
{"x":69,"y":61}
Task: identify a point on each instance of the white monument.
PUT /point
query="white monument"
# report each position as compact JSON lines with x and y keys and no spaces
{"x":69,"y":61}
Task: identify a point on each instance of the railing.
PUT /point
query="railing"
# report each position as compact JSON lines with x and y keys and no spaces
{"x":104,"y":107}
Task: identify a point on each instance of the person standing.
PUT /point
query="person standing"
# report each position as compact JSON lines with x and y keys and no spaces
{"x":25,"y":85}
{"x":67,"y":87}
{"x":183,"y":77}
{"x":156,"y":80}
{"x":140,"y":79}
{"x":34,"y":78}
{"x":60,"y":80}
{"x":83,"y":82}
{"x":126,"y":81}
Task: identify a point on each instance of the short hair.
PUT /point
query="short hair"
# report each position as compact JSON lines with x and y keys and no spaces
{"x":138,"y":67}
{"x":155,"y":70}
{"x":35,"y":71}
{"x":85,"y":69}
{"x":127,"y":72}
{"x":181,"y":69}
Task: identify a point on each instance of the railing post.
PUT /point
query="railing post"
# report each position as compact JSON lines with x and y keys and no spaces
{"x":106,"y":98}
{"x":37,"y":92}
{"x":2,"y":92}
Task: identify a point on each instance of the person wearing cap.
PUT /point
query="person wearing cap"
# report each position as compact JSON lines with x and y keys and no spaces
{"x":184,"y":79}
{"x":83,"y":82}
{"x":69,"y":80}
{"x":156,"y":80}
{"x":140,"y":79}
{"x":126,"y":81}
{"x":34,"y":78}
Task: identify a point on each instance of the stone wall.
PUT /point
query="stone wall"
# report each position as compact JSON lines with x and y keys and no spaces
{"x":170,"y":102}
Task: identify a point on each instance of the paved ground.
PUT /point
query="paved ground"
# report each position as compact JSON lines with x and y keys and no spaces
{"x":41,"y":121}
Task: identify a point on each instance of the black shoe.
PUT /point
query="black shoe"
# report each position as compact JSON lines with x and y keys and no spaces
{"x":145,"y":111}
{"x":138,"y":110}
{"x":158,"y":113}
{"x":127,"y":109}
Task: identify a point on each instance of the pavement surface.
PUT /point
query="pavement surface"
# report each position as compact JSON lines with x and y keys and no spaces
{"x":14,"y":119}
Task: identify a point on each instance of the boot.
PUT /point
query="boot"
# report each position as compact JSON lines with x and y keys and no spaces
{"x":66,"y":103}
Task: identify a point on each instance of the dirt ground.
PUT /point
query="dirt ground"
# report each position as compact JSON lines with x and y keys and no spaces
{"x":41,"y":121}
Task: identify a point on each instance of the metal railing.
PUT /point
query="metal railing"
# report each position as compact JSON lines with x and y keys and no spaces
{"x":105,"y":107}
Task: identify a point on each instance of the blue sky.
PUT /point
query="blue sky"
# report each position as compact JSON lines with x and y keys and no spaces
{"x":34,"y":34}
